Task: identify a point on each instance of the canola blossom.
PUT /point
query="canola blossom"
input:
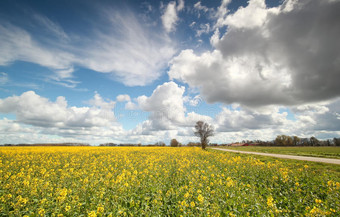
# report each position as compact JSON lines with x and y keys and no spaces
{"x":145,"y":181}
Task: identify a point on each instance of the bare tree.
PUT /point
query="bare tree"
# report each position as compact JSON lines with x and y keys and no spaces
{"x":203,"y":130}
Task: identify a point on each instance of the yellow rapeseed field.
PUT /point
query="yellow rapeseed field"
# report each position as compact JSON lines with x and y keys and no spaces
{"x":145,"y":181}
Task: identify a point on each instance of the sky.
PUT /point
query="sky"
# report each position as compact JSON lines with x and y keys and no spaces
{"x":147,"y":71}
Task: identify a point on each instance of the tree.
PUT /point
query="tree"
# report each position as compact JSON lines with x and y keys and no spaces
{"x":159,"y":143}
{"x":314,"y":141}
{"x":283,"y":140}
{"x":296,"y":140}
{"x":204,"y":131}
{"x":174,"y":143}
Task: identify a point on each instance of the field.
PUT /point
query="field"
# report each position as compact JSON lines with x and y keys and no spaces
{"x":328,"y":152}
{"x":142,"y":181}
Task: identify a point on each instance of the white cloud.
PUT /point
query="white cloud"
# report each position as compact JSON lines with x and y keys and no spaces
{"x":180,"y":5}
{"x":37,"y":119}
{"x":272,"y":61}
{"x":131,"y":106}
{"x":194,"y":101}
{"x":319,"y":116}
{"x":170,"y":16}
{"x":3,"y":78}
{"x":234,"y":80}
{"x":17,"y":44}
{"x":167,"y":110}
{"x":35,"y":110}
{"x":204,"y":28}
{"x":254,"y":15}
{"x":134,"y":54}
{"x":122,"y":46}
{"x":165,"y":105}
{"x":52,"y":27}
{"x":221,"y":12}
{"x":123,"y":98}
{"x":200,"y":7}
{"x":240,"y":119}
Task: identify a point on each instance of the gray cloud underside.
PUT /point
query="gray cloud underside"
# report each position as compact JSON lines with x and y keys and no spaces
{"x":288,"y":57}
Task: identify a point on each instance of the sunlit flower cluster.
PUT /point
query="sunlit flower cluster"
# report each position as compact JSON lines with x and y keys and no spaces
{"x":145,"y":181}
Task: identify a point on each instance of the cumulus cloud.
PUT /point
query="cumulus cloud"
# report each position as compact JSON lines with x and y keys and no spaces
{"x":165,"y":105}
{"x":167,"y":110}
{"x":240,"y":119}
{"x":254,"y":15}
{"x":170,"y":16}
{"x":288,"y":55}
{"x":322,"y":116}
{"x":38,"y":119}
{"x":35,"y":110}
{"x":123,"y":98}
{"x":131,"y":106}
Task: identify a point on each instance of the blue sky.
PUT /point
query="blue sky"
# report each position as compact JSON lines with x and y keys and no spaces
{"x":146,"y":71}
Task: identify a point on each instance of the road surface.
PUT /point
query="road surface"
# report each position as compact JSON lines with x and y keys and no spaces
{"x":314,"y":159}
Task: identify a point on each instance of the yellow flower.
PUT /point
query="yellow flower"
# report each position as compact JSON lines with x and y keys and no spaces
{"x":92,"y":214}
{"x":67,"y":208}
{"x":297,"y":184}
{"x":318,"y":201}
{"x":184,"y":203}
{"x":100,"y":209}
{"x":41,"y":212}
{"x":200,"y":198}
{"x":270,"y":201}
{"x":192,"y":204}
{"x":315,"y":210}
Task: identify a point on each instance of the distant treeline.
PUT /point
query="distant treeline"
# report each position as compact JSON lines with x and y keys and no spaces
{"x":281,"y":140}
{"x":284,"y":140}
{"x":173,"y":143}
{"x":49,"y":144}
{"x":158,"y":144}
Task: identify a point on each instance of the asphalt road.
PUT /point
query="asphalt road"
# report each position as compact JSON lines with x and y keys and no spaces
{"x":315,"y":159}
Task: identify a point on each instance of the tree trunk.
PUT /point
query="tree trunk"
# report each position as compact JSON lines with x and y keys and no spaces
{"x":204,"y":144}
